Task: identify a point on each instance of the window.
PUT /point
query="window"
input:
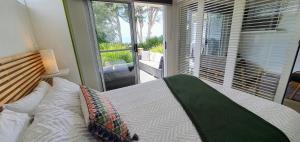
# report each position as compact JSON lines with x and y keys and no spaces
{"x":215,"y":39}
{"x":262,"y":53}
{"x":262,"y":15}
{"x":188,"y":41}
{"x":244,"y":45}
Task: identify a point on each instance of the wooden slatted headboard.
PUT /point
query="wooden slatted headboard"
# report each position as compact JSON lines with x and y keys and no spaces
{"x":19,"y":75}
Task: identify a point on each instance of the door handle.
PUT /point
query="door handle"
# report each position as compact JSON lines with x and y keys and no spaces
{"x":135,"y":47}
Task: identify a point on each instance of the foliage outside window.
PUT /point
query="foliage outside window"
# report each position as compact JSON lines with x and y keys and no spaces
{"x":158,"y":49}
{"x":108,"y":19}
{"x":119,"y":57}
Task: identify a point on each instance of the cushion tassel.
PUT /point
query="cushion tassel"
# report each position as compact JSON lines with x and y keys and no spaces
{"x":135,"y":137}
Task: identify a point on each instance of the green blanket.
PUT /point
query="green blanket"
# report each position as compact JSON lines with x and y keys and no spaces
{"x":216,"y":117}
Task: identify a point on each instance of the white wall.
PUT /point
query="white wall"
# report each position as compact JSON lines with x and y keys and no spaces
{"x":52,"y":32}
{"x":16,"y":34}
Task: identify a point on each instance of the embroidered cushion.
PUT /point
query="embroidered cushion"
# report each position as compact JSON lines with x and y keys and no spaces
{"x":103,"y":119}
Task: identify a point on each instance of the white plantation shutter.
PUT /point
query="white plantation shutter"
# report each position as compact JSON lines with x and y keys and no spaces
{"x":188,"y":38}
{"x":215,"y":39}
{"x":267,"y":36}
{"x":246,"y":45}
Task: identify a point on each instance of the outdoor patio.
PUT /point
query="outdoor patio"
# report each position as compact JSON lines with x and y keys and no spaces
{"x":145,"y":77}
{"x":120,"y":74}
{"x":150,"y":65}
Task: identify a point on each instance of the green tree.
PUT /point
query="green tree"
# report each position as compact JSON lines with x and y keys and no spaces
{"x":107,"y":19}
{"x":152,"y":18}
{"x":140,"y":17}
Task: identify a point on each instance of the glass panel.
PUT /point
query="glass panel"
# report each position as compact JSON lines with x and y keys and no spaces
{"x":149,"y":30}
{"x":118,"y":69}
{"x":114,"y":36}
{"x":112,"y":22}
{"x":263,"y":52}
{"x":187,"y":37}
{"x":113,"y":46}
{"x":214,"y":30}
{"x":215,"y":39}
{"x":116,"y":58}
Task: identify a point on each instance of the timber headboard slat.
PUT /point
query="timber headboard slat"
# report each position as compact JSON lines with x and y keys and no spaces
{"x":19,"y":75}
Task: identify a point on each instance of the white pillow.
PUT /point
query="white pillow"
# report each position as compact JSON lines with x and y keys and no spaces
{"x":31,"y":101}
{"x":65,"y":86}
{"x":64,"y":126}
{"x":12,"y":125}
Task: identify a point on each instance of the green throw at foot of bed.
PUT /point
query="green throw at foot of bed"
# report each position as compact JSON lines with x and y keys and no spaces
{"x":216,"y":117}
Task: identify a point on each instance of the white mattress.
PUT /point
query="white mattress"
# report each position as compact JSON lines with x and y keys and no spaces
{"x":150,"y":110}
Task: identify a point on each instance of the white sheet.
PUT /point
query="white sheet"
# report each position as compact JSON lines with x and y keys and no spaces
{"x":12,"y":125}
{"x":59,"y":118}
{"x":151,"y":111}
{"x":54,"y":124}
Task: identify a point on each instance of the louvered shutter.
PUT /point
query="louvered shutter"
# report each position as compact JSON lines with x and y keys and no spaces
{"x":215,"y":39}
{"x":188,"y":38}
{"x":267,"y":36}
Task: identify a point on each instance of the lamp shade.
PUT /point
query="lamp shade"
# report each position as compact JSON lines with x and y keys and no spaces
{"x":49,"y":61}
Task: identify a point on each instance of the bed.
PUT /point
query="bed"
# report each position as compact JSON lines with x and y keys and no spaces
{"x":151,"y":110}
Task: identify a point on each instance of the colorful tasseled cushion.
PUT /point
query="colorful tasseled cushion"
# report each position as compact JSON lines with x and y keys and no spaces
{"x":104,"y":120}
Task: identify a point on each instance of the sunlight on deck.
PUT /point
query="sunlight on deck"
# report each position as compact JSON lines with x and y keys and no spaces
{"x":145,"y":77}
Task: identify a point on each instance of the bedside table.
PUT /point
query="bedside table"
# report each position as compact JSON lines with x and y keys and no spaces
{"x":49,"y":77}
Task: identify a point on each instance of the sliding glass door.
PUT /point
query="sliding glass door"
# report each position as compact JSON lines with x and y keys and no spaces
{"x":116,"y":43}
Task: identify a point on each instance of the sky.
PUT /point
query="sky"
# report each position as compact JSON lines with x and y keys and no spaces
{"x":157,"y":29}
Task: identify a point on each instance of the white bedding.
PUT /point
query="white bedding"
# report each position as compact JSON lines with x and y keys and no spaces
{"x":150,"y":110}
{"x":59,"y":118}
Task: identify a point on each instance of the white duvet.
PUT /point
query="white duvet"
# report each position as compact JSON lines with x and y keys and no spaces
{"x":150,"y":110}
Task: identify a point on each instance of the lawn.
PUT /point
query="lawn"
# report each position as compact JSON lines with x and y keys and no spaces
{"x":154,"y":44}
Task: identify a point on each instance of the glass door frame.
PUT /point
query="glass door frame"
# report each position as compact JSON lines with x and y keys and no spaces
{"x":133,"y":48}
